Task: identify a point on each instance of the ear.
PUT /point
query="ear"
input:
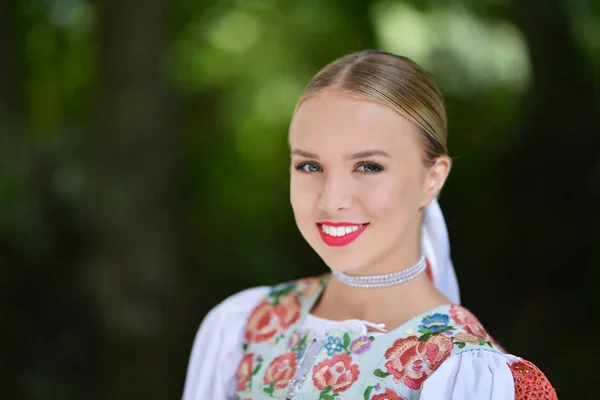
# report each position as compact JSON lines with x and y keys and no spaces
{"x":435,"y":178}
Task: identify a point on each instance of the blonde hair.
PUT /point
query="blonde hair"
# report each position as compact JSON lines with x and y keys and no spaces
{"x":396,"y":82}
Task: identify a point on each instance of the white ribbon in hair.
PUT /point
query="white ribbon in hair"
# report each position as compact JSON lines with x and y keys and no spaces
{"x":436,"y":247}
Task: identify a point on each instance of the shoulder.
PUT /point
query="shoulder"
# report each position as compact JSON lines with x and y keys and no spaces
{"x":234,"y":312}
{"x":223,"y":323}
{"x":218,"y":346}
{"x":249,"y":314}
{"x":477,"y":366}
{"x":487,"y":375}
{"x":456,"y":327}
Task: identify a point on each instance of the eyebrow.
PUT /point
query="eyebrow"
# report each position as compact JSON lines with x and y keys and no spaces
{"x":353,"y":156}
{"x":365,"y":154}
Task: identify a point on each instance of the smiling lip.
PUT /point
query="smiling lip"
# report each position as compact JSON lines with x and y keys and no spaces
{"x":344,"y":240}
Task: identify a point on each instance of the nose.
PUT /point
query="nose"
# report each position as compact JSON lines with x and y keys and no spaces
{"x":336,"y":195}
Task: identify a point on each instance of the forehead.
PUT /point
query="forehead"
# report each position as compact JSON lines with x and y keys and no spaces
{"x":337,"y":121}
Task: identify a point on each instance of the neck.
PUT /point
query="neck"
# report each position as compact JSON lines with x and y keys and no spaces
{"x":392,"y":305}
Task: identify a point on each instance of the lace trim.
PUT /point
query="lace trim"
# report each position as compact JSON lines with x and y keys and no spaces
{"x":530,"y":382}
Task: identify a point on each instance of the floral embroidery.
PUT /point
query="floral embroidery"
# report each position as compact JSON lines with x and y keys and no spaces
{"x":244,"y":372}
{"x":468,"y":321}
{"x":466,"y":338}
{"x":408,"y":362}
{"x":388,"y":395}
{"x":472,"y":326}
{"x":462,"y":338}
{"x":333,"y":345}
{"x":282,"y":289}
{"x":411,"y":360}
{"x":295,"y":340}
{"x":360,"y":345}
{"x":270,"y":319}
{"x":336,"y":374}
{"x":309,"y":286}
{"x":297,"y":343}
{"x":434,"y":323}
{"x":279,"y":372}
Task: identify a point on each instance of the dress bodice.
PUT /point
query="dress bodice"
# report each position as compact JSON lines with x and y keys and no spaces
{"x":286,"y":361}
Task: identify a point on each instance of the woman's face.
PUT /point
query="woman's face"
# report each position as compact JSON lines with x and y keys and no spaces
{"x":358,"y":182}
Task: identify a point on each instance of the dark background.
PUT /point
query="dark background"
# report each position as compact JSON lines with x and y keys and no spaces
{"x":144,"y":174}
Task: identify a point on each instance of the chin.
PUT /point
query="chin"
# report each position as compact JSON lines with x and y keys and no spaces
{"x":351,"y":265}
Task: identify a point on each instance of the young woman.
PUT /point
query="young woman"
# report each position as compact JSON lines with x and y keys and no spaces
{"x":369,"y":158}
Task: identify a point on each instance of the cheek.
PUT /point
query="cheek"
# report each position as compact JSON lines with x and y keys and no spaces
{"x":301,"y":197}
{"x":389,"y":197}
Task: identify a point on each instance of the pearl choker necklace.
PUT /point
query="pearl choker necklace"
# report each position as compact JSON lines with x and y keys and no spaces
{"x":380,"y":281}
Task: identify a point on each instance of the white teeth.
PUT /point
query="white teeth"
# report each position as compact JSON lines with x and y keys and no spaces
{"x":340,"y":230}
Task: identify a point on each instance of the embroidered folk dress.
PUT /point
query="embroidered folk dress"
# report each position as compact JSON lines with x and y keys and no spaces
{"x":263,"y":343}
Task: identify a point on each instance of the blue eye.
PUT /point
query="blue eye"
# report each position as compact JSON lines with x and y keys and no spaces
{"x":369,"y":168}
{"x":309,"y":167}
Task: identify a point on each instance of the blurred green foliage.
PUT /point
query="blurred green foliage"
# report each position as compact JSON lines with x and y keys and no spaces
{"x":144,"y":174}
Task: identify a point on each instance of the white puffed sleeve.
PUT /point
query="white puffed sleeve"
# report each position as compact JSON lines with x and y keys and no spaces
{"x":217,"y":348}
{"x":472,"y":375}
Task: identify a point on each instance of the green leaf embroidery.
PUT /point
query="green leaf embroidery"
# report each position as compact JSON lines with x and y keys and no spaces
{"x":284,"y":292}
{"x":325,"y":396}
{"x":257,"y":368}
{"x":245,"y":346}
{"x":303,"y":341}
{"x":432,"y":332}
{"x":424,"y":338}
{"x":270,"y":389}
{"x":346,"y":343}
{"x":368,"y":392}
{"x":379,"y":373}
{"x":460,"y":344}
{"x":278,"y":338}
{"x":346,"y":340}
{"x":372,"y":338}
{"x":299,"y":345}
{"x":481,"y":341}
{"x":489,"y":344}
{"x":287,"y":290}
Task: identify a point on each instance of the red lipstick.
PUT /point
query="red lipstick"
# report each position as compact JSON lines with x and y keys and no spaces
{"x":325,"y":230}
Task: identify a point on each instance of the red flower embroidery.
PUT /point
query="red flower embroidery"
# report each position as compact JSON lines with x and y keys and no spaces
{"x":244,"y":371}
{"x":388,"y":395}
{"x":412,"y":361}
{"x":267,"y":320}
{"x":470,"y":323}
{"x":337,"y":372}
{"x":281,"y":370}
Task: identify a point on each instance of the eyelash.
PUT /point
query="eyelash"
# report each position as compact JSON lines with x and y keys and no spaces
{"x":379,"y":168}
